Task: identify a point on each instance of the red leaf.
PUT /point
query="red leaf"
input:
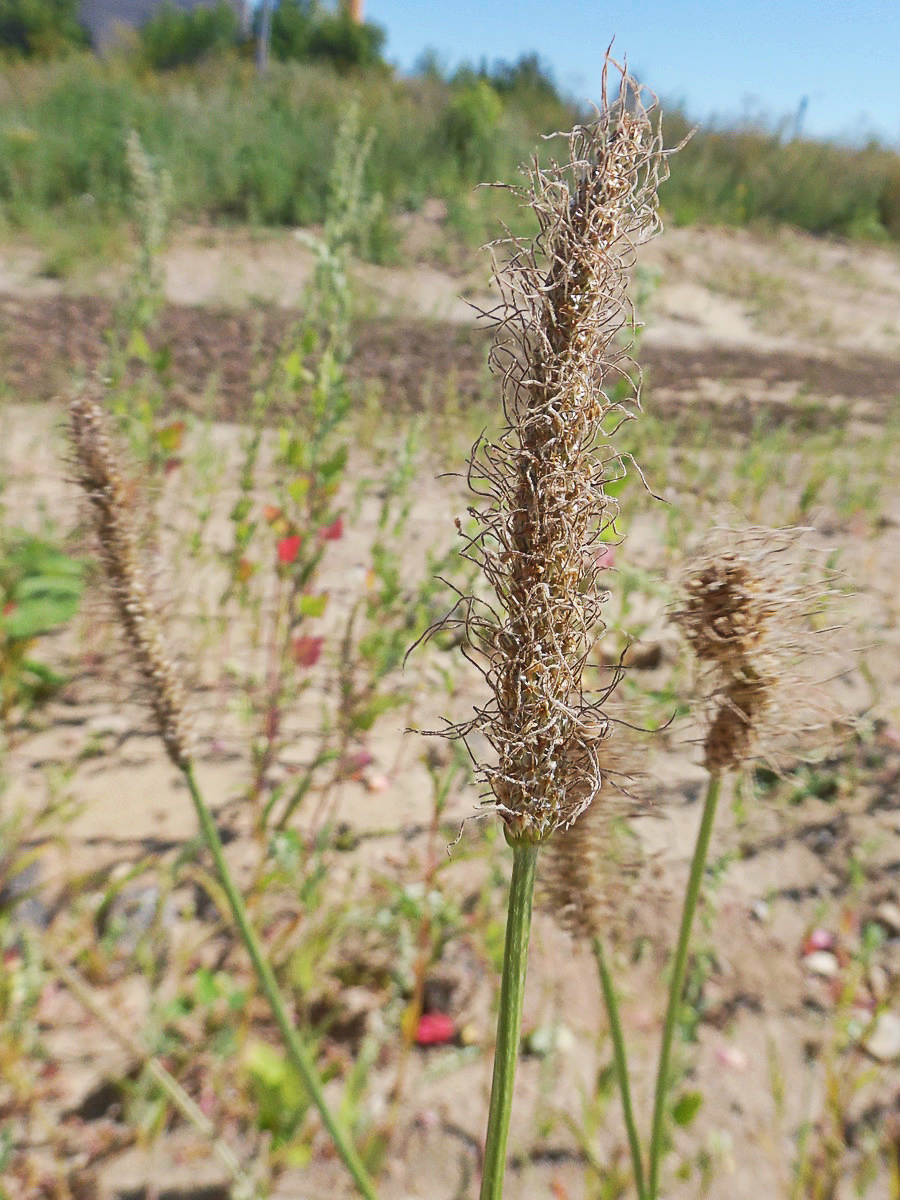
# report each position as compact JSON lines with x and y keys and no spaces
{"x":271,"y":513}
{"x":435,"y":1029}
{"x":332,"y":532}
{"x":289,"y":548}
{"x":307,"y":650}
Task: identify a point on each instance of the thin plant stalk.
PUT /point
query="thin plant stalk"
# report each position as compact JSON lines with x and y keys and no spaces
{"x":166,"y":1082}
{"x":105,"y":487}
{"x":297,"y":1052}
{"x":509,"y":1020}
{"x":676,"y":986}
{"x":620,"y":1063}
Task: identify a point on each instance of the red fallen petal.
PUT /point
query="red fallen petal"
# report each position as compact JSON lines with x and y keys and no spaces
{"x":331,"y":533}
{"x":435,"y":1029}
{"x":360,"y":759}
{"x":819,"y":939}
{"x":289,"y":548}
{"x":307,"y":650}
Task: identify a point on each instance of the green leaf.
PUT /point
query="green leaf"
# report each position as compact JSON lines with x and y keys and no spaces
{"x":292,"y":365}
{"x":138,"y":346}
{"x":39,"y":614}
{"x":686,"y":1108}
{"x":333,"y":466}
{"x":312,"y":605}
{"x":298,"y":488}
{"x":366,"y":716}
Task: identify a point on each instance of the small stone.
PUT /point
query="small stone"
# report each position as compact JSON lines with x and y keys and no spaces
{"x":822,"y":962}
{"x":883,"y":1043}
{"x":879,"y":982}
{"x":888,"y":915}
{"x":732,"y":1057}
{"x":376,"y":781}
{"x":549,"y":1038}
{"x":760,"y":911}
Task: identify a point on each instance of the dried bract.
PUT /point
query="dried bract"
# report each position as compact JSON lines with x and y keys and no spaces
{"x":99,"y":476}
{"x":545,"y":511}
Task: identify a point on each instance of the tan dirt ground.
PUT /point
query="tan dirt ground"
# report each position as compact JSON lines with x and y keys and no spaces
{"x":738,"y":324}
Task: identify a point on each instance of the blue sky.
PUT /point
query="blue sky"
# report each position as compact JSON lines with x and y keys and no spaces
{"x":723,"y":60}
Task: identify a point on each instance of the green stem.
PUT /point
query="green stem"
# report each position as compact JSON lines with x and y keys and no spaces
{"x":621,"y":1065}
{"x":297,"y":1052}
{"x":509,"y":1020}
{"x":676,"y":987}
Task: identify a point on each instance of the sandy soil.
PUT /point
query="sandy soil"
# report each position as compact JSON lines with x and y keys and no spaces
{"x":737,"y":323}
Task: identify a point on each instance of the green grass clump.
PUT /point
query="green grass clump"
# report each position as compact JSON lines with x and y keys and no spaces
{"x":241,"y":147}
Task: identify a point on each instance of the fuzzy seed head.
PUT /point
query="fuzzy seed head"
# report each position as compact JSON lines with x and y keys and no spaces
{"x":586,"y":867}
{"x":726,"y":612}
{"x":746,"y":606}
{"x":98,"y":474}
{"x":545,"y":508}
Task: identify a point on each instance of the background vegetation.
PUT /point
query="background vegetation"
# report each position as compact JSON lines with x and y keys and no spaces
{"x":241,"y":146}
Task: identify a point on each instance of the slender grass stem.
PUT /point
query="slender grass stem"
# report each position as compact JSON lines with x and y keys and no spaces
{"x":621,"y":1065}
{"x":509,"y":1020}
{"x":167,"y":1083}
{"x":676,"y":986}
{"x":297,"y":1052}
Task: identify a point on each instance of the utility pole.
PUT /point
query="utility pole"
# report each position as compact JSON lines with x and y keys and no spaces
{"x":355,"y":9}
{"x":265,"y":36}
{"x":245,"y":16}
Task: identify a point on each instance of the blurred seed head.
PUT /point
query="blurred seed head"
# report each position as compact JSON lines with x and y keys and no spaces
{"x":98,"y":474}
{"x":748,"y":609}
{"x":587,"y":867}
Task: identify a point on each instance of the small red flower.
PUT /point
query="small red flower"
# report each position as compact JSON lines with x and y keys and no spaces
{"x":332,"y":532}
{"x":435,"y":1029}
{"x":307,"y":650}
{"x":289,"y":548}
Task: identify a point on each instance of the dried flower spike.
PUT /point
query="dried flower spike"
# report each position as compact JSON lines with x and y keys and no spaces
{"x":747,"y":603}
{"x":99,"y":476}
{"x":541,"y":530}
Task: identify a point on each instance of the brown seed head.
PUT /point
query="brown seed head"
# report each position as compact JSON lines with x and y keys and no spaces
{"x":746,"y":609}
{"x":99,"y":476}
{"x":586,"y":866}
{"x":545,"y":509}
{"x":726,"y":611}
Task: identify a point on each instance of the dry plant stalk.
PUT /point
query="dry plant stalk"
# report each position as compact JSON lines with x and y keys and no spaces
{"x":541,"y":527}
{"x":748,"y":602}
{"x":99,"y":476}
{"x":588,"y":868}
